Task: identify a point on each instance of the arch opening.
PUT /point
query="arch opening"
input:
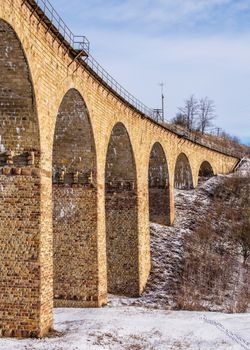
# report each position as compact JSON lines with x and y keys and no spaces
{"x":158,"y":180}
{"x":183,"y":178}
{"x":74,"y":205}
{"x":205,"y":172}
{"x":20,"y":197}
{"x":121,"y":215}
{"x":19,"y":129}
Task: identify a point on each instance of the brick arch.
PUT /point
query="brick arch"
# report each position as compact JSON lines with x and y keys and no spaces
{"x":205,"y":171}
{"x":183,"y":177}
{"x":158,"y":182}
{"x":19,"y":126}
{"x":121,"y":209}
{"x":74,"y":204}
{"x":74,"y":145}
{"x":54,"y":72}
{"x":21,"y":195}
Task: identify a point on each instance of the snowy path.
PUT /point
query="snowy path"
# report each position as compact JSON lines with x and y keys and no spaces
{"x":135,"y":328}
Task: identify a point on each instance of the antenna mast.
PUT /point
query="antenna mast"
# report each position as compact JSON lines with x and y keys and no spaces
{"x":162,"y":100}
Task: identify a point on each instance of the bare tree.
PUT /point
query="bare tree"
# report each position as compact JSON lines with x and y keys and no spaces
{"x":180,"y":119}
{"x":206,"y":114}
{"x":190,"y":111}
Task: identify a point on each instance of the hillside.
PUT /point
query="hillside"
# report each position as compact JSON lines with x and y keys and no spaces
{"x":198,"y":263}
{"x":224,"y":143}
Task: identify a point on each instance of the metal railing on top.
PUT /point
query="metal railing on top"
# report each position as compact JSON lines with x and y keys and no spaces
{"x":82,"y":43}
{"x":117,"y":87}
{"x":200,"y":139}
{"x":76,"y":42}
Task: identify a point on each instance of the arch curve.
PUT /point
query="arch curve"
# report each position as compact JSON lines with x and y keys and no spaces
{"x":121,"y":214}
{"x":74,"y":144}
{"x":205,"y":171}
{"x":121,"y":164}
{"x":158,"y":181}
{"x":74,"y":205}
{"x":22,"y":197}
{"x":19,"y":125}
{"x":183,"y":178}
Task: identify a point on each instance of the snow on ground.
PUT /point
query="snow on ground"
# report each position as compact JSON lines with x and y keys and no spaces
{"x":166,"y":254}
{"x":147,"y":322}
{"x":244,"y":168}
{"x":135,"y":328}
{"x":167,"y":247}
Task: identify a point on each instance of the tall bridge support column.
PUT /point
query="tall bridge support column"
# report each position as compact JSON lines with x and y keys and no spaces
{"x":171,"y":202}
{"x":75,"y":206}
{"x":25,"y":202}
{"x":158,"y":186}
{"x":121,"y":207}
{"x":25,"y":254}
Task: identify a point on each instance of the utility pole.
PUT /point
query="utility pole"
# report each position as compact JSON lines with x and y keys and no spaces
{"x":218,"y":131}
{"x":162,"y":100}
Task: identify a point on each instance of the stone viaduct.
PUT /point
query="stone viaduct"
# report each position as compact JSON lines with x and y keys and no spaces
{"x":82,"y":172}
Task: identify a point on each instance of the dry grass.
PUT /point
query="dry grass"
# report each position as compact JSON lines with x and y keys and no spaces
{"x":216,"y":269}
{"x":224,"y":141}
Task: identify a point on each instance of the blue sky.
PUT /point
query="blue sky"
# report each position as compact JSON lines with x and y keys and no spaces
{"x":193,"y":46}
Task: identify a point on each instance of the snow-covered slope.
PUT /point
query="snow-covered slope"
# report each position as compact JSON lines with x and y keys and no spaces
{"x":168,"y":251}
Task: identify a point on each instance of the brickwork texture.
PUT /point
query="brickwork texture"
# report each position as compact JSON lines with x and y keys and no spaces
{"x":81,"y":175}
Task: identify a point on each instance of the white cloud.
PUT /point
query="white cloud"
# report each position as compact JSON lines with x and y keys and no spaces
{"x":187,"y":13}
